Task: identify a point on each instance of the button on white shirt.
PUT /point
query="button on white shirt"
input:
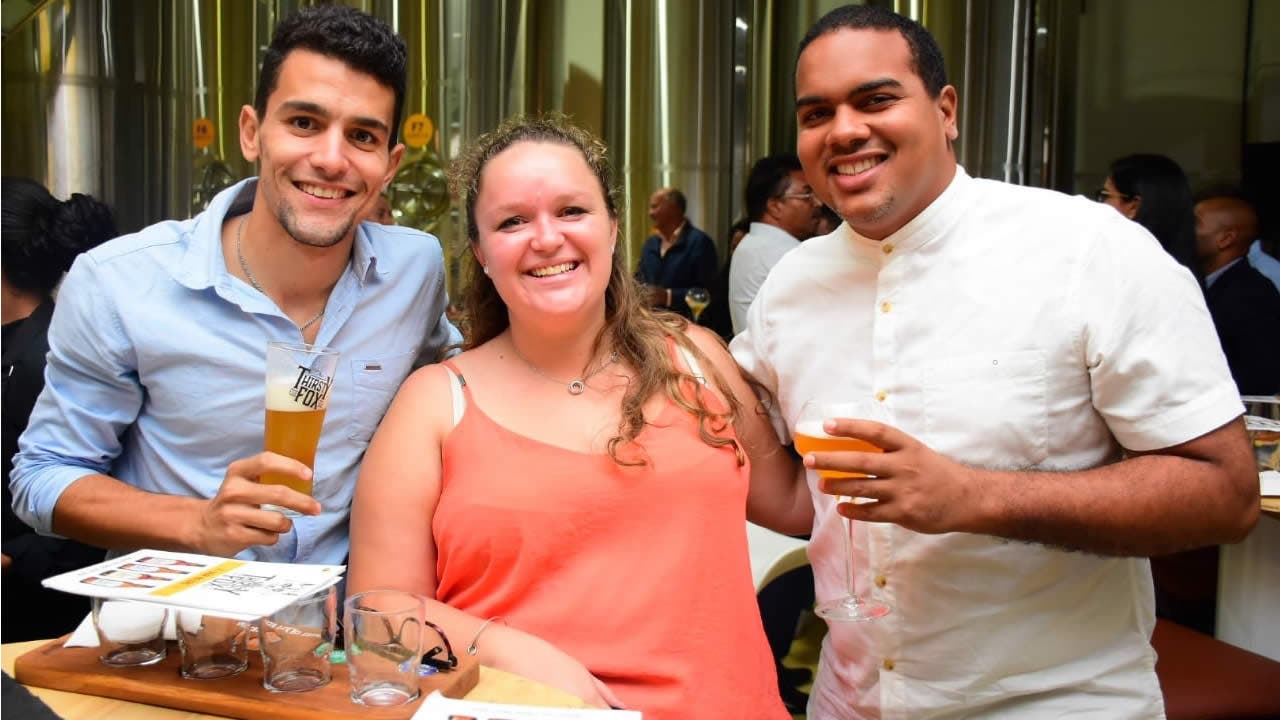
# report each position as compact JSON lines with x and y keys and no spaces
{"x":1004,"y":328}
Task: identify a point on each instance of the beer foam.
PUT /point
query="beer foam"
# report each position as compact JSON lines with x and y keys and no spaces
{"x":279,"y":399}
{"x":812,"y":428}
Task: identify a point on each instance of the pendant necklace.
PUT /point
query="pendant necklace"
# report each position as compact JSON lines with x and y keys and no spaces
{"x":576,"y":386}
{"x":244,"y":265}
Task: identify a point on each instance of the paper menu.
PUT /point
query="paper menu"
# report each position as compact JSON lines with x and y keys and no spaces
{"x":439,"y":707}
{"x":231,"y":588}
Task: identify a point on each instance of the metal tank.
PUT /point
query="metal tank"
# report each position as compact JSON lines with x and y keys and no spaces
{"x":137,"y":101}
{"x":95,"y":93}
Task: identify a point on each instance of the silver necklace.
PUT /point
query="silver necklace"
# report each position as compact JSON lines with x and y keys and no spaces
{"x":254,"y":281}
{"x":576,"y":386}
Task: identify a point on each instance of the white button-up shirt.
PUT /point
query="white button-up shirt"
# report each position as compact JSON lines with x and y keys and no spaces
{"x":1007,"y":328}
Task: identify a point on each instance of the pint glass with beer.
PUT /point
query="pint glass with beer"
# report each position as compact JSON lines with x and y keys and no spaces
{"x":299,"y":378}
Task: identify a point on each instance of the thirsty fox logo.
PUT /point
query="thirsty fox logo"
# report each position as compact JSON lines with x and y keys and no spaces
{"x":310,"y":389}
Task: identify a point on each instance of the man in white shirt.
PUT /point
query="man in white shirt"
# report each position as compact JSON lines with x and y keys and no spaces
{"x":783,"y":212}
{"x":1048,"y":422}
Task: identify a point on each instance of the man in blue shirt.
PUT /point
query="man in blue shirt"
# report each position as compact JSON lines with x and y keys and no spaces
{"x":149,"y":430}
{"x":678,"y":256}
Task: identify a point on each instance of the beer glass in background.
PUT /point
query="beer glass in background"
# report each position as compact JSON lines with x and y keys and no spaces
{"x":299,"y":377}
{"x":1262,"y":421}
{"x":810,"y":437}
{"x":697,"y":299}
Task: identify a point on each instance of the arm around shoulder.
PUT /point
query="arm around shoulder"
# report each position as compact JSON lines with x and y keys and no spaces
{"x":779,"y":495}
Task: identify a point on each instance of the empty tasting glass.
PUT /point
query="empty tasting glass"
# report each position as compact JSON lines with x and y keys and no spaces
{"x":130,"y":634}
{"x":212,"y":647}
{"x":295,"y":644}
{"x":384,"y":638}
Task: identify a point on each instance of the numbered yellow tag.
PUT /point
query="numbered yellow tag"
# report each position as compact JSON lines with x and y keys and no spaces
{"x":202,"y":133}
{"x":418,"y":130}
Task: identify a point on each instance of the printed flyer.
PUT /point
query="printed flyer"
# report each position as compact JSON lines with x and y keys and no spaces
{"x":220,"y":586}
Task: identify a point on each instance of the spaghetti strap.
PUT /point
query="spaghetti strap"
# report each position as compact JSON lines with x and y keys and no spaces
{"x":458,"y":391}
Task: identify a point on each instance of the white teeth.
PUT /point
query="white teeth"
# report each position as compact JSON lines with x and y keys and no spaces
{"x":553,"y":269}
{"x":859,"y":167}
{"x":322,"y":192}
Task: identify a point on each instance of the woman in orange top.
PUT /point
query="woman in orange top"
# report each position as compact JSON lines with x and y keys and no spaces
{"x":585,"y":468}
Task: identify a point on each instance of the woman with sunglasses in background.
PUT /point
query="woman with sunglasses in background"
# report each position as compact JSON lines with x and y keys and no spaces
{"x":1153,"y":191}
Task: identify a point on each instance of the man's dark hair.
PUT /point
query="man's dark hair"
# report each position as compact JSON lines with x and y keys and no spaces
{"x":678,"y":198}
{"x":926,"y":57}
{"x":343,"y":33}
{"x":769,"y":178}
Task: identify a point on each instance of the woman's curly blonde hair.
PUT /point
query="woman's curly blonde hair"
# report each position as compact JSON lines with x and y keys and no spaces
{"x":638,"y":334}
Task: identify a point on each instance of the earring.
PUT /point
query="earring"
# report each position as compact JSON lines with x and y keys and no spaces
{"x":485,"y":268}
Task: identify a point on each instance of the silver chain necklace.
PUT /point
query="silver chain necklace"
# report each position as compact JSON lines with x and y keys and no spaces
{"x":576,"y":386}
{"x":254,"y":281}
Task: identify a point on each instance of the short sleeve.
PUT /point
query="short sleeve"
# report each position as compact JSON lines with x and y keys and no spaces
{"x":1157,"y":372}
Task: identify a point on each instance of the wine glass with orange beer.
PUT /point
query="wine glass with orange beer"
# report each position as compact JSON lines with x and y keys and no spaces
{"x":810,"y":437}
{"x":299,"y":377}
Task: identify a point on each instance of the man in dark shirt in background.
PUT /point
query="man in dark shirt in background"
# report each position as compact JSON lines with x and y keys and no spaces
{"x":1244,"y":304}
{"x":678,"y":256}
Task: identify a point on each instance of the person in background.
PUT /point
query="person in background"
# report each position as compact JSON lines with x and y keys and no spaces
{"x":1244,"y":304}
{"x":828,"y":221}
{"x":1153,"y":191}
{"x":783,"y":213}
{"x":157,"y":348}
{"x":608,"y":533}
{"x":1246,"y":223}
{"x":41,"y":237}
{"x":1048,"y":421}
{"x":737,"y":231}
{"x":381,"y":212}
{"x":678,"y":256}
{"x":717,"y":316}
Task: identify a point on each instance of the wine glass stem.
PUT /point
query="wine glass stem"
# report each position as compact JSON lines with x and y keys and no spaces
{"x":848,"y":560}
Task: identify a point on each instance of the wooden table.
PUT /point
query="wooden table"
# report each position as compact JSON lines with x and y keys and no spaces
{"x":495,"y":686}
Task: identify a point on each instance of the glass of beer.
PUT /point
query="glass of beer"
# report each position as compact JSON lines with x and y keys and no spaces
{"x":697,"y":299}
{"x":810,"y":437}
{"x":299,"y":377}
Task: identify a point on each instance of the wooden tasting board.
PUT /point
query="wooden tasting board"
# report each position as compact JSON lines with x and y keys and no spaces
{"x":78,"y":670}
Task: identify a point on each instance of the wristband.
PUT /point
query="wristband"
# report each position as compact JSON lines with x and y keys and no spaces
{"x":472,"y":649}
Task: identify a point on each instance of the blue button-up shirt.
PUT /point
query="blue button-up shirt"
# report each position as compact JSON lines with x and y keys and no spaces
{"x":156,"y":369}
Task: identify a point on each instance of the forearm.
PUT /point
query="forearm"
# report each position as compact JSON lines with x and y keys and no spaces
{"x":1142,"y":506}
{"x":105,"y":512}
{"x":786,"y":505}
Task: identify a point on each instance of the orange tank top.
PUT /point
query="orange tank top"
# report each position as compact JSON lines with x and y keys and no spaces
{"x":642,"y":574}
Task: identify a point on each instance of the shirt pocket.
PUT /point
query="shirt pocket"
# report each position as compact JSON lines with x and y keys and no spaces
{"x":989,"y":409}
{"x":375,"y":381}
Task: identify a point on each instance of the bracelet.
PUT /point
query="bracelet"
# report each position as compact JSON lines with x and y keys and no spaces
{"x":472,"y":649}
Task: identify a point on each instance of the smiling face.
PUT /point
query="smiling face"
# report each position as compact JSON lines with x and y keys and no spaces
{"x":874,"y":145}
{"x":322,"y":147}
{"x":545,"y":234}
